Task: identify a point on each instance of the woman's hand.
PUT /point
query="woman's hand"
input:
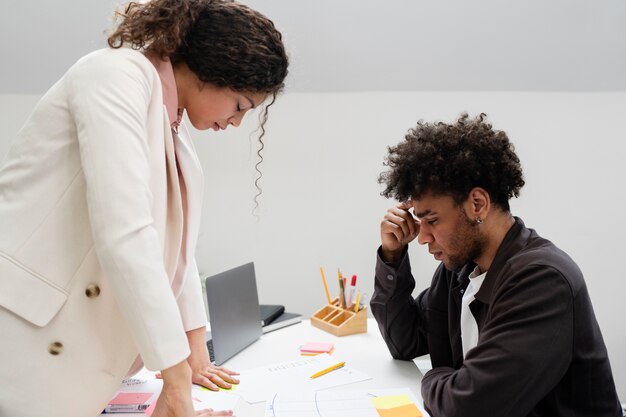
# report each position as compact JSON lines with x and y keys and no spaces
{"x":210,"y":413}
{"x":203,"y":371}
{"x":214,"y":377}
{"x":175,"y":397}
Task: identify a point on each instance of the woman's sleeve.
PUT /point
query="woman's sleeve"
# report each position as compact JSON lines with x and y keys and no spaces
{"x":110,"y":98}
{"x":190,"y":301}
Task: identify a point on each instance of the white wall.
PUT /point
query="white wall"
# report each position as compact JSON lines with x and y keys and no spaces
{"x":321,"y":202}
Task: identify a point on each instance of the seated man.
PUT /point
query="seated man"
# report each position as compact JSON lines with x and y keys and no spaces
{"x":507,"y":319}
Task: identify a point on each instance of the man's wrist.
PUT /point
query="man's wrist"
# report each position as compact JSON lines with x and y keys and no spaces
{"x":391,"y":257}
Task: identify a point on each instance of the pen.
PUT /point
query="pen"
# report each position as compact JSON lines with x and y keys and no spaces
{"x":327,"y":370}
{"x":342,"y":302}
{"x":325,"y":286}
{"x":342,"y":289}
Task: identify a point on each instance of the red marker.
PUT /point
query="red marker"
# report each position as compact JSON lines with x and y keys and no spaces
{"x":352,"y":290}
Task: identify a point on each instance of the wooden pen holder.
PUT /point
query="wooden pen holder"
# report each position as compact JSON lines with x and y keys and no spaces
{"x":340,"y":321}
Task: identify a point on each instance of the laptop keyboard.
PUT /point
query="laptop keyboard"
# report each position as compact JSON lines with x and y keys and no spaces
{"x":209,"y":345}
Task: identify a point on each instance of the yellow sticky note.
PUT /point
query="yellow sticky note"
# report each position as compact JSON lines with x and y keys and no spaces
{"x":391,"y":401}
{"x":396,"y":406}
{"x":232,"y":387}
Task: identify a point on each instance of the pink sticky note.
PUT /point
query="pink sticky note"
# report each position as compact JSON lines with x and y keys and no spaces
{"x":317,"y":347}
{"x":124,"y":398}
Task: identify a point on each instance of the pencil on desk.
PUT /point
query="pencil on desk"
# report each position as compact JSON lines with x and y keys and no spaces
{"x":325,"y":286}
{"x":327,"y":370}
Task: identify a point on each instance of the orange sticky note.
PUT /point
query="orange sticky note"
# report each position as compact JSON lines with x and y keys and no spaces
{"x":407,"y":410}
{"x":396,"y":406}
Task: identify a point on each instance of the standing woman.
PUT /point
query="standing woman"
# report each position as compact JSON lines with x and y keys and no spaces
{"x":99,"y":209}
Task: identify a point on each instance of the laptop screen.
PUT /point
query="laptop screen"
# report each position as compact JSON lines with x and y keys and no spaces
{"x":234,"y":315}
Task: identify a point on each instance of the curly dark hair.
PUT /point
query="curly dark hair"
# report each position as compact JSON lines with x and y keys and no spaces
{"x":223,"y":42}
{"x":451,"y":159}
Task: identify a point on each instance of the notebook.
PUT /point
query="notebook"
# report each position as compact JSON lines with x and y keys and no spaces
{"x":284,"y":320}
{"x":234,"y":312}
{"x":269,"y":313}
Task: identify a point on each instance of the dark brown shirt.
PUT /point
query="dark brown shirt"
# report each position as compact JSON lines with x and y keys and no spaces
{"x":540,"y":351}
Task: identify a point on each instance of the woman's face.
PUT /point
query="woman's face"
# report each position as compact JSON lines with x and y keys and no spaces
{"x":212,"y":107}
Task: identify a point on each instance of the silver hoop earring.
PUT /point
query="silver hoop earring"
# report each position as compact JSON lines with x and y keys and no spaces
{"x":479,"y":220}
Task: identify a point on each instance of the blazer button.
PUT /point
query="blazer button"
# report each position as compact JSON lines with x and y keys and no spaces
{"x":92,"y":291}
{"x":55,"y":348}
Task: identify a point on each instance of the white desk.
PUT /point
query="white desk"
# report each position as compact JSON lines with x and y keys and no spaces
{"x":365,"y":352}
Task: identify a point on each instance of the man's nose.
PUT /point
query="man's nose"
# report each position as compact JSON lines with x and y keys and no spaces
{"x":424,"y":236}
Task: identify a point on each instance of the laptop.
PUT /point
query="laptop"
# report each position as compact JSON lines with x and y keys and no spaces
{"x":234,"y":314}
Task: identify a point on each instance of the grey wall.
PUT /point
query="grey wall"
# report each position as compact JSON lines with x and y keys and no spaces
{"x":366,"y":45}
{"x":321,"y":204}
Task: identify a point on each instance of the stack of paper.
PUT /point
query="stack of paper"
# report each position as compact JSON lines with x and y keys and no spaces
{"x":370,"y":403}
{"x":130,"y":402}
{"x":258,"y":384}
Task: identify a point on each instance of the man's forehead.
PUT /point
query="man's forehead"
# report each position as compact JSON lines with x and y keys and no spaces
{"x":429,"y":204}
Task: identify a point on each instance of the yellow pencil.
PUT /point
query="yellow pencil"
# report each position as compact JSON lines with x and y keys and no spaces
{"x":356,"y":303}
{"x":325,"y":286}
{"x":327,"y":370}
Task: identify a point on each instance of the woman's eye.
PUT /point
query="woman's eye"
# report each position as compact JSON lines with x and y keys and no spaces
{"x":432,"y":221}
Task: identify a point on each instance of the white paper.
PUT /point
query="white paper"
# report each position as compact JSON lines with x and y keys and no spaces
{"x":145,"y":381}
{"x":217,"y":400}
{"x":423,"y":364}
{"x":258,"y":384}
{"x":329,"y":403}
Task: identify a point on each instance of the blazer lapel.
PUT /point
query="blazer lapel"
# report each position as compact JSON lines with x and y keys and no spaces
{"x":192,"y":185}
{"x":174,"y":217}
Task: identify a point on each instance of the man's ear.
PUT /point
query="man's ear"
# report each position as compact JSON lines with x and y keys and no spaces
{"x":478,"y":204}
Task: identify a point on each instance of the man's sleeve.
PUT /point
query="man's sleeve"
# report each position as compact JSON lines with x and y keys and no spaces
{"x":523,"y":350}
{"x":398,"y":314}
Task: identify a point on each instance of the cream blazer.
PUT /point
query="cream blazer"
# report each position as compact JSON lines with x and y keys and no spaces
{"x":91,"y":232}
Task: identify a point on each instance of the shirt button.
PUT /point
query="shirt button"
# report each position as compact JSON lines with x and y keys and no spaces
{"x":92,"y":291}
{"x":55,"y":348}
{"x":390,"y":277}
{"x":462,"y":291}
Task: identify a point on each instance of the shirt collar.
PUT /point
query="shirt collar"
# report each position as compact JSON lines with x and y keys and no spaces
{"x":512,"y":243}
{"x":168,"y":82}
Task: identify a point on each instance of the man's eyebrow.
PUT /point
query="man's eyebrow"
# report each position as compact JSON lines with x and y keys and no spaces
{"x":423,"y":213}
